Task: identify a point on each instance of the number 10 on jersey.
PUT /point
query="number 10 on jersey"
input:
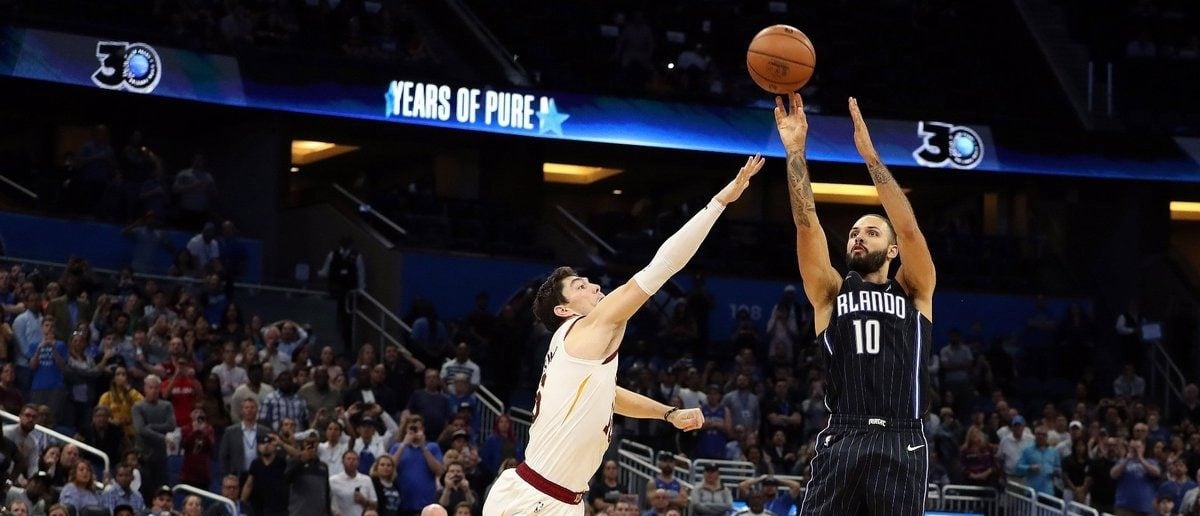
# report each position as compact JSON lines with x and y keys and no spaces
{"x":866,"y":336}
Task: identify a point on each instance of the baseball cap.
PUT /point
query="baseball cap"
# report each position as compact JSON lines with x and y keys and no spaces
{"x":1075,"y":424}
{"x":711,"y":467}
{"x":770,"y":481}
{"x":164,"y":490}
{"x":458,"y":433}
{"x":790,"y":288}
{"x":367,"y":420}
{"x":262,"y":439}
{"x":464,"y":405}
{"x":666,"y":455}
{"x":1018,"y":420}
{"x":123,"y":507}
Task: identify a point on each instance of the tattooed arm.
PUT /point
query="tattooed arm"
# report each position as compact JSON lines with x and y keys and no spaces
{"x":821,"y":281}
{"x":916,"y":274}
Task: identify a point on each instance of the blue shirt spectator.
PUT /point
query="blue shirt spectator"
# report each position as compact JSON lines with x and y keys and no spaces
{"x":47,"y":373}
{"x":27,"y":328}
{"x":121,"y":492}
{"x":74,"y":496}
{"x":420,"y":481}
{"x":1156,"y":433}
{"x":468,"y":403}
{"x":501,"y":444}
{"x":432,"y":404}
{"x":1177,"y":483}
{"x":1040,"y":464}
{"x":781,"y":502}
{"x":1135,"y":477}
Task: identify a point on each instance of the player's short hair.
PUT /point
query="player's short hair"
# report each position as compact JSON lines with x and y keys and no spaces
{"x":549,"y":295}
{"x":891,"y":230}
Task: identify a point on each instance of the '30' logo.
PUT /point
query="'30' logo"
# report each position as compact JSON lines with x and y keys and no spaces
{"x":127,"y":66}
{"x":948,"y":145}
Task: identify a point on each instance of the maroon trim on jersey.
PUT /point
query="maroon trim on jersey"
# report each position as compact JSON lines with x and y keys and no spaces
{"x":547,"y":487}
{"x":569,"y":328}
{"x":611,"y":357}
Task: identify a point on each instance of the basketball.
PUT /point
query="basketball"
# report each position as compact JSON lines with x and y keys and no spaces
{"x":781,"y":59}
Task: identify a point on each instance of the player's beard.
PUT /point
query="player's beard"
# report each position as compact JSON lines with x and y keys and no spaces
{"x":866,"y":263}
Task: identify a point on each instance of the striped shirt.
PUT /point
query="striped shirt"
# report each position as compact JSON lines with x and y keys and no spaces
{"x":453,"y":367}
{"x":115,"y":495}
{"x":279,"y":406}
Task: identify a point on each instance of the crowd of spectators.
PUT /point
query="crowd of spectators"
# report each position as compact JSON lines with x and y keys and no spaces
{"x":996,"y":416}
{"x":252,"y":409}
{"x":179,"y":384}
{"x":362,"y":31}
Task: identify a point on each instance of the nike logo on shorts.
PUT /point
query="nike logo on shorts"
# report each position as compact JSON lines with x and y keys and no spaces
{"x":915,"y":448}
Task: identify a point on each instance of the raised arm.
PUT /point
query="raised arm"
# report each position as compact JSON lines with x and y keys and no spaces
{"x":615,"y":309}
{"x":821,"y":281}
{"x":632,"y":404}
{"x":916,"y":273}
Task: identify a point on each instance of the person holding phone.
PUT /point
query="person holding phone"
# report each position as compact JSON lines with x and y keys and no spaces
{"x":419,"y":463}
{"x":197,"y":442}
{"x":352,"y":492}
{"x":265,"y":487}
{"x":456,"y":488}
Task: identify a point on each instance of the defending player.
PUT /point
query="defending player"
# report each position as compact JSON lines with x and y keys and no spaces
{"x":875,"y":334}
{"x":577,"y":393}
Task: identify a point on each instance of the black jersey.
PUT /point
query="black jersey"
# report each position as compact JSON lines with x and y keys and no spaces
{"x":877,"y":351}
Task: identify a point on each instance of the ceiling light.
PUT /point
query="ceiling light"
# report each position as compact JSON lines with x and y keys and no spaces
{"x":1185,"y":210}
{"x":840,"y":193}
{"x":305,"y":152}
{"x":575,"y":174}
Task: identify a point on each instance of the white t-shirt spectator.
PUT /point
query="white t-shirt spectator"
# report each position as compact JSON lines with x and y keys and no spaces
{"x":231,"y":378}
{"x":1134,"y":387}
{"x":1009,"y":451}
{"x":341,"y":488}
{"x":453,"y":367}
{"x":203,"y":252}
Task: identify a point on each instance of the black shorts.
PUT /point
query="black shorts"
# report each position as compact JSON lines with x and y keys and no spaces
{"x":866,"y":465}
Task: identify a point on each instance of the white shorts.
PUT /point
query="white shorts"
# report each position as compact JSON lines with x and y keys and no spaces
{"x":513,"y":496}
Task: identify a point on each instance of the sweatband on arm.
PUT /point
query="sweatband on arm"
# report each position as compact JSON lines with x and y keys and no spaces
{"x":679,"y":249}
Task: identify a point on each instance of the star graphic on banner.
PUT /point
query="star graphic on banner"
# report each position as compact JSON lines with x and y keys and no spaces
{"x":549,"y":119}
{"x":389,"y":100}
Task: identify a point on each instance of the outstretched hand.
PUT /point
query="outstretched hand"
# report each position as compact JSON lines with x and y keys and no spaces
{"x":687,"y":419}
{"x":862,"y":138}
{"x":793,"y":125}
{"x":734,"y":189}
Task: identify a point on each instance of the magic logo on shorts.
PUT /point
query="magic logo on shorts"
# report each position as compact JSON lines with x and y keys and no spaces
{"x":947,"y":145}
{"x":127,"y":66}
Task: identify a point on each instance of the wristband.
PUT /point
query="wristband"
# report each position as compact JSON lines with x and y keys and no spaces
{"x":667,"y":416}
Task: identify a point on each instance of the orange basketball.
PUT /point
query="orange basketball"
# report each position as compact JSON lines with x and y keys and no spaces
{"x":781,"y":59}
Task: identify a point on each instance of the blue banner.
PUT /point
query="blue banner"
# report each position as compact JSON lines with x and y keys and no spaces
{"x":105,"y":246}
{"x":140,"y":68}
{"x":450,"y":282}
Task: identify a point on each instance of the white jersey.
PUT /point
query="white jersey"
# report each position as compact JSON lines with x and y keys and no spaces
{"x":572,"y":415}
